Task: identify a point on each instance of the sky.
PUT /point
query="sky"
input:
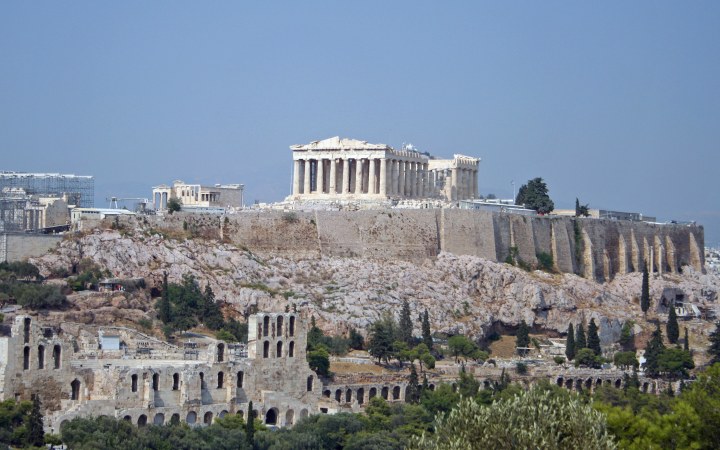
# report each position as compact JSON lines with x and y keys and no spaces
{"x":615,"y":103}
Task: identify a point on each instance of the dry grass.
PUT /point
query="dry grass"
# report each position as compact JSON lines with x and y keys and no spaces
{"x":345,"y":368}
{"x":503,"y":347}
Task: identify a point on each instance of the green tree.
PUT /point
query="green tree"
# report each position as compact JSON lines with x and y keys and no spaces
{"x":405,"y":325}
{"x":522,"y":340}
{"x":357,"y":342}
{"x":686,"y":341}
{"x":645,"y":291}
{"x":593,"y":340}
{"x":580,"y":341}
{"x":35,"y":433}
{"x":627,"y":341}
{"x":461,"y":346}
{"x":412,"y":395}
{"x":211,"y":314}
{"x":250,"y":425}
{"x":703,"y":396}
{"x":586,"y":357}
{"x":714,"y":349}
{"x":675,"y":362}
{"x":383,"y":333}
{"x":541,"y":418}
{"x":534,"y":195}
{"x":672,"y":329}
{"x":174,"y":205}
{"x":315,"y":335}
{"x":625,"y":360}
{"x":570,"y":343}
{"x":581,"y":210}
{"x":319,"y":360}
{"x":164,"y":309}
{"x":654,"y":349}
{"x":426,"y":335}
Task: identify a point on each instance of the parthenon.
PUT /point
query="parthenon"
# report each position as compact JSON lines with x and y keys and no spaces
{"x":337,"y":168}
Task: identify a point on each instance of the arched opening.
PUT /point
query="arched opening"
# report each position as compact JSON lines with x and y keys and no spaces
{"x":271,"y":417}
{"x":220,"y":380}
{"x":26,"y":358}
{"x":240,"y":379}
{"x":292,"y":326}
{"x":303,"y":413}
{"x":191,"y":418}
{"x":588,"y":383}
{"x":360,"y":396}
{"x":384,"y":393}
{"x":396,"y":393}
{"x":291,"y":349}
{"x":75,"y":390}
{"x":241,"y":413}
{"x":645,"y":387}
{"x":176,"y":381}
{"x":56,"y":356}
{"x":127,"y":419}
{"x":133,"y":382}
{"x":618,"y":383}
{"x":223,"y":413}
{"x":41,"y":356}
{"x":155,"y":382}
{"x":266,"y":349}
{"x":569,"y":383}
{"x":221,"y":352}
{"x":289,"y":417}
{"x":175,"y":419}
{"x":560,"y":381}
{"x":280,"y":325}
{"x":26,"y":330}
{"x":202,"y":381}
{"x":348,"y":395}
{"x":278,"y":350}
{"x":578,"y":384}
{"x":327,"y":393}
{"x":159,"y":419}
{"x":266,"y":325}
{"x":432,"y":387}
{"x":372,"y":393}
{"x":207,"y":418}
{"x":598,"y":382}
{"x":338,"y":395}
{"x":309,"y":383}
{"x":454,"y":387}
{"x":486,"y":384}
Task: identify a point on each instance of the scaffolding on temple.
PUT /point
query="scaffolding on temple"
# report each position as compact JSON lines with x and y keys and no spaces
{"x":80,"y":189}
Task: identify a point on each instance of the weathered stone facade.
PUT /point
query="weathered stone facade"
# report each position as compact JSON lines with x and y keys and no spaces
{"x":150,"y":381}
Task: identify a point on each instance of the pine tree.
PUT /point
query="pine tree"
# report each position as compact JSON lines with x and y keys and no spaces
{"x":627,"y":342}
{"x":426,"y":335}
{"x":570,"y":343}
{"x":672,"y":328}
{"x":580,"y":341}
{"x":250,"y":426}
{"x":522,"y":338}
{"x":405,"y":324}
{"x":165,"y":312}
{"x":412,"y":395}
{"x":645,"y":293}
{"x":425,"y":385}
{"x":714,"y":350}
{"x":654,"y":349}
{"x":36,"y":435}
{"x":686,"y":344}
{"x":593,"y":340}
{"x":212,"y":315}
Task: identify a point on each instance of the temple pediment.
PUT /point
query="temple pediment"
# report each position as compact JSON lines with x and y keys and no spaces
{"x":338,"y":143}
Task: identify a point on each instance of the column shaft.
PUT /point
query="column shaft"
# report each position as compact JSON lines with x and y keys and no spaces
{"x":371,"y":176}
{"x":453,"y":184}
{"x":332,"y":189}
{"x":358,"y":176}
{"x":346,"y":176}
{"x":320,"y":189}
{"x":296,"y":177}
{"x":383,"y":177}
{"x":306,"y":175}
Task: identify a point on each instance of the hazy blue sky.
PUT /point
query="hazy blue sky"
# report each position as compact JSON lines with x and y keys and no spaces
{"x":617,"y":103}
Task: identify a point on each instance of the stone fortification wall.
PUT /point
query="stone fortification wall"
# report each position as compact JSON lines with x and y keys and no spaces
{"x":20,"y":246}
{"x":594,"y":248}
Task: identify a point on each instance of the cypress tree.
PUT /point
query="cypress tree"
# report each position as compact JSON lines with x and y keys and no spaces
{"x":654,"y":349}
{"x":714,"y":350}
{"x":36,"y":435}
{"x":165,"y":312}
{"x":426,"y":335}
{"x":523,"y":338}
{"x":645,"y":293}
{"x":627,"y":342}
{"x":593,"y":340}
{"x":412,"y":394}
{"x":250,"y":426}
{"x":580,"y":341}
{"x":570,"y":343}
{"x":686,"y":344}
{"x":405,"y":324}
{"x":672,"y":328}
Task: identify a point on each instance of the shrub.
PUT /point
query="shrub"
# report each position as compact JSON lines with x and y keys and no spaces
{"x":559,"y":360}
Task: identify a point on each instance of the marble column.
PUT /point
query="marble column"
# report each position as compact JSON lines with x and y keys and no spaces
{"x":453,"y":184}
{"x":358,"y":176}
{"x":296,"y":177}
{"x":371,"y":177}
{"x":306,"y":178}
{"x":413,"y":179}
{"x":319,"y":187}
{"x":427,"y":190}
{"x":401,"y":178}
{"x":475,"y":184}
{"x":383,"y":177}
{"x":346,"y":176}
{"x":332,"y":189}
{"x":395,"y":176}
{"x":421,"y":180}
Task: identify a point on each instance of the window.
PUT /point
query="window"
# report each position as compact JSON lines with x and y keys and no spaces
{"x":41,"y":356}
{"x":266,"y":349}
{"x":75,"y":390}
{"x":56,"y":356}
{"x":291,"y":349}
{"x":221,"y":352}
{"x":133,"y":383}
{"x":309,"y":383}
{"x":278,"y":351}
{"x":155,"y":382}
{"x":266,"y":325}
{"x":240,"y":376}
{"x":292,"y":326}
{"x":26,"y":358}
{"x":176,"y":382}
{"x":220,"y":380}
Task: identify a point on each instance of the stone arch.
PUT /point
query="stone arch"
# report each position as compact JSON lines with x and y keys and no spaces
{"x":560,"y":381}
{"x":220,"y":380}
{"x":645,"y":387}
{"x":271,"y":417}
{"x":569,"y":383}
{"x":309,"y":384}
{"x":289,"y":417}
{"x":241,"y":413}
{"x":588,"y":383}
{"x":240,"y":379}
{"x":223,"y":413}
{"x":159,"y":419}
{"x":360,"y":396}
{"x":327,"y":393}
{"x":41,"y":356}
{"x":266,"y":325}
{"x":291,"y":349}
{"x":396,"y":393}
{"x":127,"y":418}
{"x":372,"y":393}
{"x":266,"y":349}
{"x":176,"y":382}
{"x":384,"y":392}
{"x":279,"y":326}
{"x":348,"y":395}
{"x":142,"y":420}
{"x":578,"y":384}
{"x":221,"y":352}
{"x":75,"y":389}
{"x":607,"y":382}
{"x":432,"y":386}
{"x":191,"y":418}
{"x":175,"y":419}
{"x":291,"y":326}
{"x":338,"y":395}
{"x":278,"y":349}
{"x":208,"y":418}
{"x":57,"y":353}
{"x":26,"y":357}
{"x":26,"y":330}
{"x":598,"y":382}
{"x":134,"y":382}
{"x":303,"y":413}
{"x":618,"y":383}
{"x":486,"y":384}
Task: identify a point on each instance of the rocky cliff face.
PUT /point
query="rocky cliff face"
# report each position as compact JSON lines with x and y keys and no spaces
{"x":462,"y":293}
